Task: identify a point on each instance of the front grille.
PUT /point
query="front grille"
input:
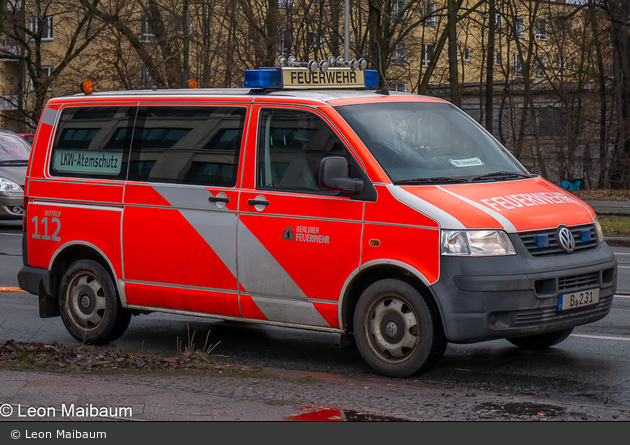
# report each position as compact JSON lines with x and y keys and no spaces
{"x":531,"y":240}
{"x":537,"y":317}
{"x":583,"y":281}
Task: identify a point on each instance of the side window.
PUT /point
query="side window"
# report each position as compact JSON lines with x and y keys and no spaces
{"x":187,"y":145}
{"x":93,"y":142}
{"x":291,"y":144}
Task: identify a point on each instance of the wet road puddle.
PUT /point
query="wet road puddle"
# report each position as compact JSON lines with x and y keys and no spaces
{"x":341,"y":415}
{"x":522,"y":409}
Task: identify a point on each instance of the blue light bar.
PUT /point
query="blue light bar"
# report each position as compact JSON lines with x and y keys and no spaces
{"x":263,"y":78}
{"x":371,"y":79}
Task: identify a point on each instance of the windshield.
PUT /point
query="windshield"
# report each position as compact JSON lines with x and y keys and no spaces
{"x":424,"y":142}
{"x":13,"y":148}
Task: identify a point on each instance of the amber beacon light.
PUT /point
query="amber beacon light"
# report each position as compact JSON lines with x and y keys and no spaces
{"x":191,"y":83}
{"x":87,"y":86}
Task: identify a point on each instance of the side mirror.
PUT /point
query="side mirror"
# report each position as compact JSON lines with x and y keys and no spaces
{"x":333,"y":175}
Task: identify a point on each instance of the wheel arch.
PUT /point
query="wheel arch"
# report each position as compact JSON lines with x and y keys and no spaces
{"x":374,"y":271}
{"x":65,"y":255}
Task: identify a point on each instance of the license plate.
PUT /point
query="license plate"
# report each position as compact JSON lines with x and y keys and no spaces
{"x":578,"y":299}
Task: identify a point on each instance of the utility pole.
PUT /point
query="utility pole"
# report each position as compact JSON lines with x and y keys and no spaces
{"x":346,"y":30}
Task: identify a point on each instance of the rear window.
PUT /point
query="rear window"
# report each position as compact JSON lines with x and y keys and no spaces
{"x":13,"y":147}
{"x":93,"y":142}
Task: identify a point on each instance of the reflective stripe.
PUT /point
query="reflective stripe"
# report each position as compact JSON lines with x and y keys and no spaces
{"x":290,"y":311}
{"x":445,"y":219}
{"x":259,"y":270}
{"x":49,"y":117}
{"x":506,"y":223}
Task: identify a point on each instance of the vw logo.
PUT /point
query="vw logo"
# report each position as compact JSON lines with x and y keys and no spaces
{"x":565,"y":239}
{"x":391,"y":328}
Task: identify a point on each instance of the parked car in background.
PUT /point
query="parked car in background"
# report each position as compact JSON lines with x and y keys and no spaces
{"x":28,"y":137}
{"x":14,"y":154}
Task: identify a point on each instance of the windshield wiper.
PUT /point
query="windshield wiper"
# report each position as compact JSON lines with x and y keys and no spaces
{"x":500,"y":176}
{"x":15,"y":162}
{"x":433,"y":180}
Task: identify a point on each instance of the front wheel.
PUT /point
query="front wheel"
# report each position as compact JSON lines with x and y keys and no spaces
{"x":89,"y":304}
{"x":396,"y":330}
{"x":541,"y":341}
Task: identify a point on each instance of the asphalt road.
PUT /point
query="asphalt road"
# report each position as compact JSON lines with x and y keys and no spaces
{"x":594,"y":363}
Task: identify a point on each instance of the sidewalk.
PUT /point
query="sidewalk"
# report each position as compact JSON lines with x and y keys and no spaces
{"x":279,"y":395}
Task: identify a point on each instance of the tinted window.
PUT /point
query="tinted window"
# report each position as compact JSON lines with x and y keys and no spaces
{"x":187,"y":145}
{"x":291,"y":145}
{"x":93,"y":142}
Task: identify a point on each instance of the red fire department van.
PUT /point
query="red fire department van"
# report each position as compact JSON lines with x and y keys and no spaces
{"x":308,"y":199}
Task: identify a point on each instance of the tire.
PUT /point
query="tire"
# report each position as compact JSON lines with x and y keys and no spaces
{"x":541,"y":341}
{"x":397,"y":332}
{"x":89,"y":304}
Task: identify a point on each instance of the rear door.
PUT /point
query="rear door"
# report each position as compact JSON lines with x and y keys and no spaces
{"x":297,"y":243}
{"x":179,"y":224}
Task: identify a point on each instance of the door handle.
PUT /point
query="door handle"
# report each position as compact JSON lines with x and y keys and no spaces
{"x":218,"y":199}
{"x":258,"y":202}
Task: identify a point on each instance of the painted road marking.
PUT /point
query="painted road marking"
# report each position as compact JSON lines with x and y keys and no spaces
{"x":622,"y":296}
{"x":600,"y":337}
{"x":11,"y":234}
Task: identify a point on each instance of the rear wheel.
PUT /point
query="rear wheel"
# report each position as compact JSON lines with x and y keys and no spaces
{"x":396,"y":330}
{"x":541,"y":341}
{"x":89,"y":304}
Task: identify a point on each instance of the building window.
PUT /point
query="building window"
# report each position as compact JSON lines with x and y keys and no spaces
{"x":285,"y":41}
{"x":498,"y":21}
{"x":398,"y":9}
{"x":45,"y":72}
{"x":286,"y":4}
{"x":541,"y":29}
{"x":8,"y":102}
{"x":467,"y":54}
{"x":517,"y":66}
{"x":427,"y":52}
{"x":562,"y":63}
{"x":146,"y":32}
{"x":399,"y":56}
{"x":541,"y":66}
{"x":314,"y":39}
{"x":497,"y":58}
{"x":428,"y":12}
{"x":146,"y":81}
{"x":47,"y":31}
{"x":399,"y":86}
{"x":520,"y":27}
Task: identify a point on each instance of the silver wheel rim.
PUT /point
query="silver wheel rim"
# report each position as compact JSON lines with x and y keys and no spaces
{"x":85,"y":301}
{"x":392,"y":328}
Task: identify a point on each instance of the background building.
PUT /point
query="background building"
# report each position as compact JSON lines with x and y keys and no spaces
{"x":552,"y":66}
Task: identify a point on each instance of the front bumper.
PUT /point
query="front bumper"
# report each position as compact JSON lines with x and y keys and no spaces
{"x":521,"y":297}
{"x":11,"y":205}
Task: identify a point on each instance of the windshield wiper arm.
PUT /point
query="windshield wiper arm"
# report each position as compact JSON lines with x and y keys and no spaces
{"x":432,"y":180}
{"x":500,"y":176}
{"x":15,"y":162}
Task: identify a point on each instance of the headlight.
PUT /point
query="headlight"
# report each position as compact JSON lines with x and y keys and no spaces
{"x":9,"y":186}
{"x":476,"y":243}
{"x":598,"y":228}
